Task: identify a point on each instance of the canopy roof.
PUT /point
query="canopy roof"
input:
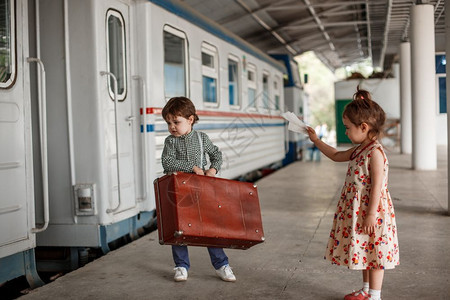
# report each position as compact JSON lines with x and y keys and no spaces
{"x":339,"y":32}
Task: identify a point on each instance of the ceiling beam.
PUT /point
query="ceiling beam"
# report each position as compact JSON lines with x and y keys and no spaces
{"x":386,"y":34}
{"x":341,"y":13}
{"x":264,"y":8}
{"x":338,"y":3}
{"x":267,"y":27}
{"x":440,"y":14}
{"x":323,"y":25}
{"x":327,"y":62}
{"x":343,"y":40}
{"x":309,"y":19}
{"x":369,"y":31}
{"x":319,"y":24}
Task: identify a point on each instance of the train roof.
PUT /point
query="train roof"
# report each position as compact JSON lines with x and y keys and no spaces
{"x":191,"y":15}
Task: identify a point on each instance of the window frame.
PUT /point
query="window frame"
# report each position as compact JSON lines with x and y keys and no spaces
{"x":440,"y":73}
{"x":235,"y":59}
{"x":182,"y":35}
{"x":265,"y":93}
{"x":438,"y":94}
{"x":213,"y":72}
{"x":276,"y":93}
{"x":252,"y":84}
{"x":12,"y":48}
{"x":122,"y":96}
{"x":295,"y":73}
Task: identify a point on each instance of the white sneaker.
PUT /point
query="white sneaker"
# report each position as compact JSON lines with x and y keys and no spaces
{"x":181,"y":274}
{"x":226,"y":274}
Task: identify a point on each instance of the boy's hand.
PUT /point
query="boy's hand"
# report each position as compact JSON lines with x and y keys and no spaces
{"x":312,"y":134}
{"x":211,"y":172}
{"x":198,"y":171}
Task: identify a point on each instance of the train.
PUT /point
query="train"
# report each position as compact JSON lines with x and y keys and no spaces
{"x":82,"y":89}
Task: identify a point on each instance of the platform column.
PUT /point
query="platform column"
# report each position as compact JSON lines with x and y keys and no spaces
{"x":405,"y":98}
{"x":424,"y":149}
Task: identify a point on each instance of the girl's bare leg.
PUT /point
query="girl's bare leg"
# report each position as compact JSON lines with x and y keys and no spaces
{"x":375,"y":279}
{"x":365,"y":274}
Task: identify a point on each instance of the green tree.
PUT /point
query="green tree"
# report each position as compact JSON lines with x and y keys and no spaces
{"x":320,"y":87}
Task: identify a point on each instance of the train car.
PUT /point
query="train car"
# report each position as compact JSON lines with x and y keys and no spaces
{"x":111,"y":65}
{"x":237,"y":89}
{"x":296,"y":100}
{"x":17,"y":206}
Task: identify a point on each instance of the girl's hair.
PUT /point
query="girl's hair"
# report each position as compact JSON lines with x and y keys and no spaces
{"x":180,"y":106}
{"x":364,"y":110}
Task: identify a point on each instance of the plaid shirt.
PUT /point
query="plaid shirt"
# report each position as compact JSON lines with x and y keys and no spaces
{"x":182,"y":153}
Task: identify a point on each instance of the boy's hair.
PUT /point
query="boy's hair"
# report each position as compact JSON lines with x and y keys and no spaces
{"x":180,"y":106}
{"x":364,"y":110}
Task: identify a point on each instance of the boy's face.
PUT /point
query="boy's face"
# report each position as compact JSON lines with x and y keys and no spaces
{"x":178,"y":125}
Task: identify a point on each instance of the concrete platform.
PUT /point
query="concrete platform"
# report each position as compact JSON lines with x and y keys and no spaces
{"x":298,"y":204}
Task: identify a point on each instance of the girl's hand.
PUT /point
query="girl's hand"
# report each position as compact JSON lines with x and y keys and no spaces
{"x":312,"y":134}
{"x":211,"y":172}
{"x":198,"y":171}
{"x":369,"y":224}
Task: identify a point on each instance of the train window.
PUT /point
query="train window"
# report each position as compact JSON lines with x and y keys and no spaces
{"x":116,"y":53}
{"x":251,"y":85}
{"x":210,"y":73}
{"x":276,"y":92}
{"x":266,"y":90}
{"x":251,"y":75}
{"x":7,"y":44}
{"x":208,"y":60}
{"x":175,"y":63}
{"x":233,"y":81}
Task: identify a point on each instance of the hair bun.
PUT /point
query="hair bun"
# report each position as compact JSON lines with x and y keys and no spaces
{"x":362,"y":95}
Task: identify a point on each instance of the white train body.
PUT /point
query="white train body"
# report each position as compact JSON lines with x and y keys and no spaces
{"x":82,"y":141}
{"x":86,"y":129}
{"x":17,"y":200}
{"x":16,"y":172}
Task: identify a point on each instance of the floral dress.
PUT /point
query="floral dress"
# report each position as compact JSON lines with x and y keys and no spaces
{"x":348,"y":245}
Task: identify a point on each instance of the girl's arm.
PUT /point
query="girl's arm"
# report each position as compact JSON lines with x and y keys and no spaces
{"x":376,"y":179}
{"x":331,"y":152}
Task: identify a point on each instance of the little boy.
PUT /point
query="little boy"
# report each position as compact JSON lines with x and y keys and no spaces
{"x":182,"y":153}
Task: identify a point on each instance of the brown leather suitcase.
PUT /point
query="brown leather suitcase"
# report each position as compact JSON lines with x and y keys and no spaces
{"x":207,"y":211}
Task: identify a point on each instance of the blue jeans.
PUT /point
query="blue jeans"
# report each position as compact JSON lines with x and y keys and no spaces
{"x":314,"y":154}
{"x":181,"y":257}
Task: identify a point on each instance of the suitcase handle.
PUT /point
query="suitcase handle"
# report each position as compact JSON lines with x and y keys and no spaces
{"x":200,"y":141}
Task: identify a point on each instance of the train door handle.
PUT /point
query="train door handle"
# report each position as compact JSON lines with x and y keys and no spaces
{"x":109,"y":74}
{"x":131,"y":118}
{"x":42,"y":107}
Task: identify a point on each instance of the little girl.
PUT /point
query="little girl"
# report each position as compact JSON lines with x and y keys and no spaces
{"x":364,"y":232}
{"x":182,"y":152}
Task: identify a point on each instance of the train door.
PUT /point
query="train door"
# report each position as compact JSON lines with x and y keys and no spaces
{"x":16,"y":199}
{"x":121,"y":116}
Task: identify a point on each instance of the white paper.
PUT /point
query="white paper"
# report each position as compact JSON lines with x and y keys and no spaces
{"x":295,"y":124}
